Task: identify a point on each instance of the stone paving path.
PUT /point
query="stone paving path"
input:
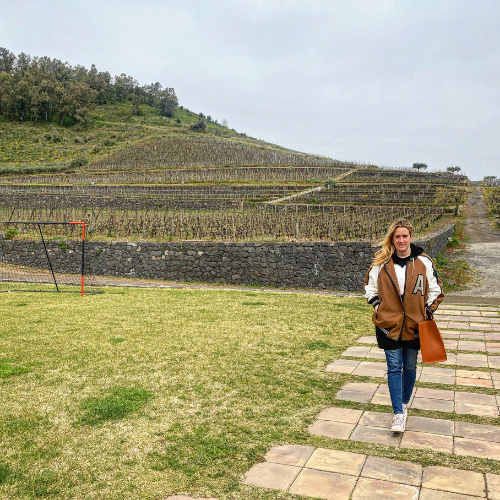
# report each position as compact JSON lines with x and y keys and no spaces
{"x":341,"y":475}
{"x":462,"y":359}
{"x":338,"y":475}
{"x":465,"y":403}
{"x":430,"y":374}
{"x":445,"y":436}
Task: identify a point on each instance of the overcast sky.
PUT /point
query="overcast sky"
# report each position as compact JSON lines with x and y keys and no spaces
{"x":383,"y":81}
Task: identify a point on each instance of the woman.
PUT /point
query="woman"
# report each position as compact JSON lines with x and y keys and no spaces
{"x":403,"y":287}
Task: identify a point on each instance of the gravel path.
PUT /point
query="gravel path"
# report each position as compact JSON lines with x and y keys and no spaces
{"x":483,"y":251}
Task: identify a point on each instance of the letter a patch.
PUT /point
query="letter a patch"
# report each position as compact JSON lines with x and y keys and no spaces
{"x":419,"y":285}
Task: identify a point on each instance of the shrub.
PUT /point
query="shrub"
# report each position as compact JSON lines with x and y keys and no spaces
{"x":11,"y":233}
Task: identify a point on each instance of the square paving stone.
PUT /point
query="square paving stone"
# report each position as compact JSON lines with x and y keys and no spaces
{"x":343,"y":366}
{"x":469,"y":345}
{"x":346,"y":362}
{"x":477,"y":448}
{"x":356,"y":351}
{"x":478,"y":409}
{"x":472,"y":397}
{"x":376,"y":419}
{"x":427,"y":494}
{"x":450,"y":335}
{"x":494,"y":362}
{"x":437,"y":379}
{"x":433,"y":404}
{"x":375,"y":355}
{"x":328,"y":485}
{"x":362,"y":371}
{"x":475,"y":382}
{"x":289,"y":455}
{"x":450,"y":344}
{"x":477,"y":431}
{"x":477,"y":357}
{"x":425,"y":441}
{"x":474,"y":335}
{"x":375,"y":435}
{"x":381,"y":399}
{"x":423,"y":392}
{"x":367,"y":339}
{"x":472,"y":362}
{"x":430,"y":425}
{"x":374,"y":489}
{"x":360,"y":387}
{"x":392,"y":470}
{"x":342,"y":462}
{"x":431,"y":370}
{"x":473,"y":374}
{"x":493,"y":485}
{"x":273,"y":476}
{"x":356,"y":396}
{"x":480,"y":326}
{"x":341,"y":415}
{"x":336,"y":430}
{"x":454,"y":480}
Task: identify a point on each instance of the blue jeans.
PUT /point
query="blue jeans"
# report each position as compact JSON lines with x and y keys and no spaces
{"x":401,"y":375}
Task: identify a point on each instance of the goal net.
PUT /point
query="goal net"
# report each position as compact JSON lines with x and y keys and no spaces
{"x":45,"y":257}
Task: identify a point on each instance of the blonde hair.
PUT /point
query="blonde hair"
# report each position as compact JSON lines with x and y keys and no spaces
{"x":388,"y":248}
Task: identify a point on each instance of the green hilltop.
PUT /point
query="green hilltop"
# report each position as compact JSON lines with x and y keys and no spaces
{"x":54,"y":116}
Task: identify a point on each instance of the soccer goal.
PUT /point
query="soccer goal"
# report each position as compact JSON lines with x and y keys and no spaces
{"x":45,"y":257}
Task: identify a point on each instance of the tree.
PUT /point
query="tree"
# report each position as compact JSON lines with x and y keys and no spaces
{"x":7,"y":60}
{"x":492,"y":199}
{"x":168,"y":102}
{"x":454,"y":196}
{"x":419,"y":166}
{"x":453,"y":169}
{"x":490,"y":181}
{"x":41,"y":88}
{"x":199,"y":126}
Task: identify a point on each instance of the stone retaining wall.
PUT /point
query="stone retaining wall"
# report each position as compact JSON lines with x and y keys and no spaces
{"x":318,"y":265}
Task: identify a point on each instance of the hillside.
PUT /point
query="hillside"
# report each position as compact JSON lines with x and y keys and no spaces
{"x":45,"y":147}
{"x":151,"y":177}
{"x":136,"y":169}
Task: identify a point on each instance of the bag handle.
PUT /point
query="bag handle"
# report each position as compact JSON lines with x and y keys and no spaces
{"x":429,"y":313}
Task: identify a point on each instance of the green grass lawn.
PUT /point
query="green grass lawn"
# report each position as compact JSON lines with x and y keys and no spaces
{"x":138,"y":394}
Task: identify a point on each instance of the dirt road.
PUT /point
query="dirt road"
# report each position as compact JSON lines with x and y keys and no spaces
{"x":483,"y":250}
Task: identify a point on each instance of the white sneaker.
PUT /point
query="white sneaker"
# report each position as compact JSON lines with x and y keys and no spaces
{"x":405,"y":413}
{"x":398,"y":422}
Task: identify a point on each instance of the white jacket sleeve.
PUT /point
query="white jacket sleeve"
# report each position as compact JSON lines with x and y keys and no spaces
{"x":371,"y":287}
{"x":435,"y":289}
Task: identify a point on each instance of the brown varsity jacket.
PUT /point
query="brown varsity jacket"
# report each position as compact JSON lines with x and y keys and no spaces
{"x":398,"y":316}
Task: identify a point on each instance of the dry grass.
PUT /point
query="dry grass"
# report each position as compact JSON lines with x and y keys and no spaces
{"x":139,"y":394}
{"x":145,"y":393}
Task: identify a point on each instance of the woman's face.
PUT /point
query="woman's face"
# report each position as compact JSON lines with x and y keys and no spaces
{"x":402,"y":239}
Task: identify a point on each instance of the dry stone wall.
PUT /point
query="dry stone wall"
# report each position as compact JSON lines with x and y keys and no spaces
{"x":317,"y":265}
